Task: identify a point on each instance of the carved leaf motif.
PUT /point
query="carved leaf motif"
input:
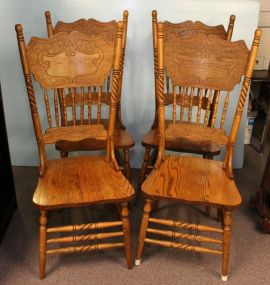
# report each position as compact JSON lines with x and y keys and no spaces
{"x":205,"y":61}
{"x":70,"y":59}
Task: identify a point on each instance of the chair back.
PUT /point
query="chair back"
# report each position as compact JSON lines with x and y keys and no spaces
{"x":202,"y":68}
{"x":95,"y":27}
{"x":182,"y":30}
{"x":69,"y":67}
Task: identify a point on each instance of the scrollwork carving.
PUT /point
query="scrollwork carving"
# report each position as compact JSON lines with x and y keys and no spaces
{"x":70,"y":59}
{"x":204,"y":61}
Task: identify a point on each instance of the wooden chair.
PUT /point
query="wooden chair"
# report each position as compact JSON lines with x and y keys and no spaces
{"x":200,"y":64}
{"x":123,"y":140}
{"x":183,"y":144}
{"x":62,"y":65}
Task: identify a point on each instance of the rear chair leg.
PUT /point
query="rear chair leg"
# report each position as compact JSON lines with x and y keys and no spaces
{"x":42,"y":243}
{"x":226,"y":243}
{"x":126,"y":231}
{"x":63,"y":154}
{"x":127,"y":164}
{"x":144,"y":225}
{"x":143,"y":173}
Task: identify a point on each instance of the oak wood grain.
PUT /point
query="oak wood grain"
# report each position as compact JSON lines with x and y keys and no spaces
{"x":80,"y":181}
{"x":192,"y":180}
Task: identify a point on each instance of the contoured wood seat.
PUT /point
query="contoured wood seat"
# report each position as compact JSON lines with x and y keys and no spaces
{"x":123,"y":140}
{"x":208,"y":63}
{"x":199,"y":103}
{"x":64,"y":64}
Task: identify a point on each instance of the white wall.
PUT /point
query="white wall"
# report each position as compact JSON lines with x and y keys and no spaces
{"x":138,"y":88}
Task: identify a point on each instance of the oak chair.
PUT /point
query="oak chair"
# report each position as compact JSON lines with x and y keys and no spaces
{"x":65,"y":64}
{"x":123,"y":140}
{"x":199,"y":64}
{"x":185,"y":143}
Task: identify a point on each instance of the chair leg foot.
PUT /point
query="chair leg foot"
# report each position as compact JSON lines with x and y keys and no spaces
{"x":42,"y":243}
{"x":137,"y":262}
{"x":224,"y":277}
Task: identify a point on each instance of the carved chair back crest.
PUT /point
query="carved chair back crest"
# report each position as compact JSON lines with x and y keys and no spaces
{"x":95,"y":27}
{"x":184,"y":30}
{"x":201,"y":68}
{"x":70,"y":67}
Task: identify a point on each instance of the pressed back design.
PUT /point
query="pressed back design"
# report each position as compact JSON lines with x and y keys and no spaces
{"x":70,"y":59}
{"x":201,"y":67}
{"x":94,"y":27}
{"x":200,"y":98}
{"x":204,"y":66}
{"x":71,"y":68}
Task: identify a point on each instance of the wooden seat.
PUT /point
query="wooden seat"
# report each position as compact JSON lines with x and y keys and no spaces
{"x":76,"y":181}
{"x":66,"y":64}
{"x":123,"y":140}
{"x":215,"y":66}
{"x":208,"y":184}
{"x":190,"y":138}
{"x":183,"y":144}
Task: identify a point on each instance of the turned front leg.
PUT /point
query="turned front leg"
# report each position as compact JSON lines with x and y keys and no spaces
{"x":144,"y":225}
{"x":227,"y":220}
{"x":42,"y":243}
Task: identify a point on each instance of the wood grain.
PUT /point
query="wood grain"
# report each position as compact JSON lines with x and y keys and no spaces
{"x":192,"y":180}
{"x":73,"y":182}
{"x":75,"y":133}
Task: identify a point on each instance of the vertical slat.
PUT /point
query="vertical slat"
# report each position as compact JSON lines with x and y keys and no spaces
{"x":64,"y":101}
{"x":209,"y":100}
{"x":99,"y":104}
{"x":183,"y":92}
{"x":190,"y":104}
{"x":73,"y":94}
{"x":174,"y":104}
{"x":200,"y":91}
{"x":89,"y":103}
{"x":48,"y":110}
{"x":225,"y":110}
{"x":56,"y":110}
{"x":214,"y":112}
{"x":82,"y":105}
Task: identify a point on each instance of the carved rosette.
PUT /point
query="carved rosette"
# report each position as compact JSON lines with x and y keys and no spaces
{"x":70,"y":59}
